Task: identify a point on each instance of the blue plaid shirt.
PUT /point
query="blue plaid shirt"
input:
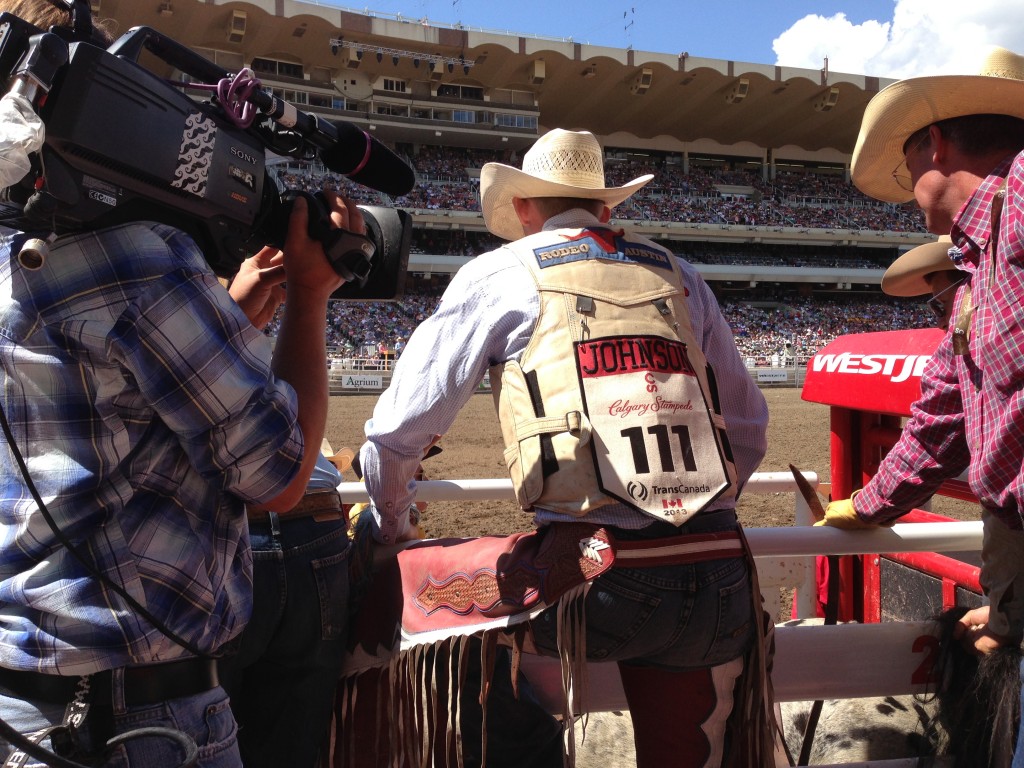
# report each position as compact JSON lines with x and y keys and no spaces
{"x":142,"y":400}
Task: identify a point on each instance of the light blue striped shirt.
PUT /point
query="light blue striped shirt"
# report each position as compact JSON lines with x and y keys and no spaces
{"x":142,"y":399}
{"x":486,"y":317}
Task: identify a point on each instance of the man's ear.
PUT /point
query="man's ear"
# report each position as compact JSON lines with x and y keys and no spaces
{"x":522,"y":209}
{"x":938,"y":145}
{"x":606,"y":215}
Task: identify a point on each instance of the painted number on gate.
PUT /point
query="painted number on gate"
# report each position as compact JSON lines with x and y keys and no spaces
{"x":924,"y":674}
{"x":638,"y":447}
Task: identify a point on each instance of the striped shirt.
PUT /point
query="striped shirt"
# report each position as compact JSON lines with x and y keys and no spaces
{"x":971,"y":411}
{"x":487,"y":316}
{"x":142,"y":401}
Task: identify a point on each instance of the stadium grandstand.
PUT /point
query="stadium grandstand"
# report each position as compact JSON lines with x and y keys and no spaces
{"x":751,"y":161}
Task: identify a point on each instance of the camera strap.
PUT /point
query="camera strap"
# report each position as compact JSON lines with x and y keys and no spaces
{"x":63,"y":735}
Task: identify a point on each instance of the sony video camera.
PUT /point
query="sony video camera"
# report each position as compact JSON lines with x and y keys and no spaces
{"x":123,"y":144}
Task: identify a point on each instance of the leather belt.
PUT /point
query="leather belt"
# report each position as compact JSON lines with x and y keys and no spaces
{"x":320,"y":505}
{"x":678,"y":550}
{"x":143,"y":686}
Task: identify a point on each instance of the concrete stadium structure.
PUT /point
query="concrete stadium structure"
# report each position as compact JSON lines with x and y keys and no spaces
{"x":415,"y":82}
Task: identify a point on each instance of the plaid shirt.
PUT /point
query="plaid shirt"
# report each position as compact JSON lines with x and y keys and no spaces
{"x":142,"y":400}
{"x":971,"y":411}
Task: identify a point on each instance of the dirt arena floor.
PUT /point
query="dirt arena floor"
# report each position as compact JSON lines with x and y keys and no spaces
{"x":797,"y":434}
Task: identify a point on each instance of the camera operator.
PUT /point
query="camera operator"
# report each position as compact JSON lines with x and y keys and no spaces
{"x":147,"y":410}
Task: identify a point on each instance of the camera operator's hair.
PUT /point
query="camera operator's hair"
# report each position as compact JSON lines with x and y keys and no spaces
{"x":48,"y":13}
{"x":39,"y":12}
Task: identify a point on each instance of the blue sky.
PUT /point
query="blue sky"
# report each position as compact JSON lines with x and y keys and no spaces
{"x":888,"y":38}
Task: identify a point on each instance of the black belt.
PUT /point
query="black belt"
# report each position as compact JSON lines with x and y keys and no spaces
{"x":143,"y":686}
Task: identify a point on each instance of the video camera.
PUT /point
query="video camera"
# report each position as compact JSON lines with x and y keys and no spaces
{"x":123,"y":144}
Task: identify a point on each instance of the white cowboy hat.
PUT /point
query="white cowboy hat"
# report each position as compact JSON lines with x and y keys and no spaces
{"x":559,"y":164}
{"x":905,"y":276}
{"x":900,"y":109}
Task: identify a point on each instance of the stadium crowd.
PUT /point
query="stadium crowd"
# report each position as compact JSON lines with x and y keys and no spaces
{"x":366,"y":334}
{"x":447,"y":179}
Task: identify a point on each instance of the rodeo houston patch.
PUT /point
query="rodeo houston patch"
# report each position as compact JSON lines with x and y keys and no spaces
{"x":593,"y":245}
{"x":654,"y":442}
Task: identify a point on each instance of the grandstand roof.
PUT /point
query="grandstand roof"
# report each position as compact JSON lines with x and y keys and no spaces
{"x":628,"y":97}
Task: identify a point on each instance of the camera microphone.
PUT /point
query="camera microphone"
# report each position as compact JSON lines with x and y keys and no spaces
{"x":367,"y":161}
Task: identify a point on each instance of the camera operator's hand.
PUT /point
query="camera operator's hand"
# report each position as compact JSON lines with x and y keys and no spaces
{"x":304,"y":260}
{"x":258,"y":286}
{"x":300,"y":354}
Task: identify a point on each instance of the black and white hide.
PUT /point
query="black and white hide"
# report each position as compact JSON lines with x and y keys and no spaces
{"x":971,"y":718}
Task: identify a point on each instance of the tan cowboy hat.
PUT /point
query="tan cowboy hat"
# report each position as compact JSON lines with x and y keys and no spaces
{"x":342,"y":459}
{"x":906,"y":275}
{"x":900,"y":109}
{"x":559,"y":164}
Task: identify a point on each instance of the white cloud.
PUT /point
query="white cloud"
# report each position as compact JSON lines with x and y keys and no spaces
{"x":924,"y":37}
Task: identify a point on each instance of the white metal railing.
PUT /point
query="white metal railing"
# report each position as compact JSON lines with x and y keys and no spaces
{"x":801,"y":540}
{"x":783,"y":555}
{"x":810,"y":662}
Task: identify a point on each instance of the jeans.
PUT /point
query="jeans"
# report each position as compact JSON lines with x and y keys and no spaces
{"x":205,"y":717}
{"x":676,"y":616}
{"x":283,"y":678}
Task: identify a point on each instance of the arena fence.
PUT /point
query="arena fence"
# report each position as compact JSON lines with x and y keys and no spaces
{"x":373,"y":379}
{"x":811,"y":661}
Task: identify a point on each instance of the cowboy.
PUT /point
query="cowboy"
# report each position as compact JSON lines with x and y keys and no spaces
{"x":624,"y":405}
{"x":923,"y":270}
{"x":953,"y":143}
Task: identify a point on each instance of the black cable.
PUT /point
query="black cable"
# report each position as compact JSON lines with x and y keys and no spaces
{"x":186,"y":742}
{"x":30,"y":748}
{"x":88,"y":566}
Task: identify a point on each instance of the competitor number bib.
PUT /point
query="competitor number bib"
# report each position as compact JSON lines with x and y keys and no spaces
{"x":655,"y":443}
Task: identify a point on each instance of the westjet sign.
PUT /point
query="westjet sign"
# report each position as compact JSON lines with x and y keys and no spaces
{"x":877,"y":372}
{"x":897,"y":367}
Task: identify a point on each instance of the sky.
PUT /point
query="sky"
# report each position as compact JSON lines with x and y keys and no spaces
{"x":884,"y":38}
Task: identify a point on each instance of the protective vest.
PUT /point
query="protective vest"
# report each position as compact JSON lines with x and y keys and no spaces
{"x":613,"y":399}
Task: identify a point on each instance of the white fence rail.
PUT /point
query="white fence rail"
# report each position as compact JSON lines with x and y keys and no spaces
{"x":811,"y":662}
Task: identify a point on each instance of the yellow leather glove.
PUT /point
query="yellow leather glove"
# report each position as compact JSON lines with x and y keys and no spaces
{"x":416,"y":530}
{"x":841,"y":514}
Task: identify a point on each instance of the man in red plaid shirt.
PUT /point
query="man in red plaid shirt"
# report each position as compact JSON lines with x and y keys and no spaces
{"x":954,"y":144}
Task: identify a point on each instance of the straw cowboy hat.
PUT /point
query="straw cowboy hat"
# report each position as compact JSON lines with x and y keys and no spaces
{"x":559,"y":164}
{"x":342,"y":459}
{"x":905,"y":276}
{"x":906,"y":106}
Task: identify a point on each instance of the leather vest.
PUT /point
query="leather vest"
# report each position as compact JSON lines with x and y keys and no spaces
{"x":613,"y":400}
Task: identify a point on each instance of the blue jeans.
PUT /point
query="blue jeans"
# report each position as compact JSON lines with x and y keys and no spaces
{"x":676,"y":616}
{"x":206,"y":717}
{"x":282,"y":679}
{"x":679,"y":617}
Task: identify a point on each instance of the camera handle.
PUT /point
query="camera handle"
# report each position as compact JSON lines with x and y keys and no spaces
{"x":350,"y":254}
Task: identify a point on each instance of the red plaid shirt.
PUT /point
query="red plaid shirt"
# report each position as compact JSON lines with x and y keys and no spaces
{"x":971,"y":411}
